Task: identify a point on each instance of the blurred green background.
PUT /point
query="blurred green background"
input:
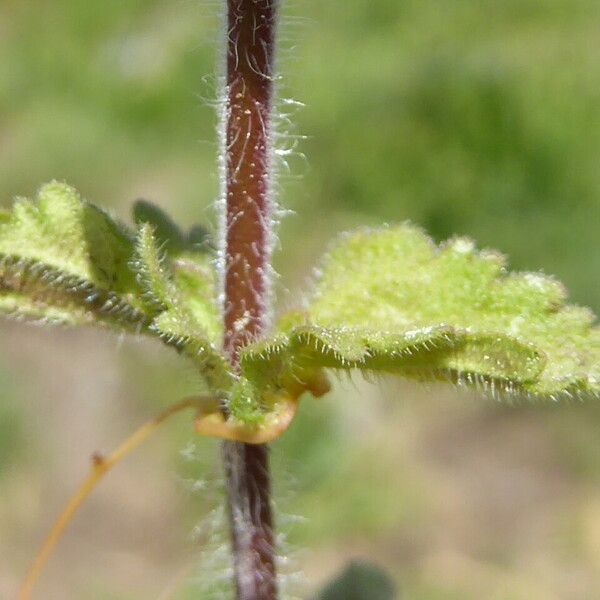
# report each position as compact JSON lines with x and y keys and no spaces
{"x":477,"y":117}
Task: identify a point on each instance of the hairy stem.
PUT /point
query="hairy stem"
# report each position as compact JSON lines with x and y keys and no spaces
{"x":246,"y":258}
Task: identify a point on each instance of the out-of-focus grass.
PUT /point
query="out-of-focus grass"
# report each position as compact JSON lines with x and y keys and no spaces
{"x":471,"y":117}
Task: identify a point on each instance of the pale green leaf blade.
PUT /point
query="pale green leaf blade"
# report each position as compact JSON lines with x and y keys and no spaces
{"x":292,"y":362}
{"x":180,"y":295}
{"x":61,"y":230}
{"x":195,"y":279}
{"x":512,"y":329}
{"x":153,"y":272}
{"x":183,"y":285}
{"x":64,"y":260}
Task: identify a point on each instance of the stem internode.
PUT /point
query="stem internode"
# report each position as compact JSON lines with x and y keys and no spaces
{"x":246,"y":262}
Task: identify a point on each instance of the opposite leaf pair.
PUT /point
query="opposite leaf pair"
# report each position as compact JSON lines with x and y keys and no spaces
{"x":387,"y":300}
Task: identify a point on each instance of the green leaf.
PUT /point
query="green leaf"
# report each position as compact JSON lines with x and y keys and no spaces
{"x":387,"y":300}
{"x":63,"y":231}
{"x":64,"y":260}
{"x":392,"y":301}
{"x":504,"y":331}
{"x":179,"y":293}
{"x":291,"y":363}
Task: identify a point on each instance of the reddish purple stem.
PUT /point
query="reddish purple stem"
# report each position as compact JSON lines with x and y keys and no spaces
{"x":247,"y":255}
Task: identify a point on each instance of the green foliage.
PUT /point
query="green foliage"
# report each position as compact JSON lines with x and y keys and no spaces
{"x":178,"y":290}
{"x":64,"y":260}
{"x":511,"y":332}
{"x":483,"y":114}
{"x":390,"y":300}
{"x":387,"y":300}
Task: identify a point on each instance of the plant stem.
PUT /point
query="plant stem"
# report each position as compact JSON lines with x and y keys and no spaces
{"x":246,"y":264}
